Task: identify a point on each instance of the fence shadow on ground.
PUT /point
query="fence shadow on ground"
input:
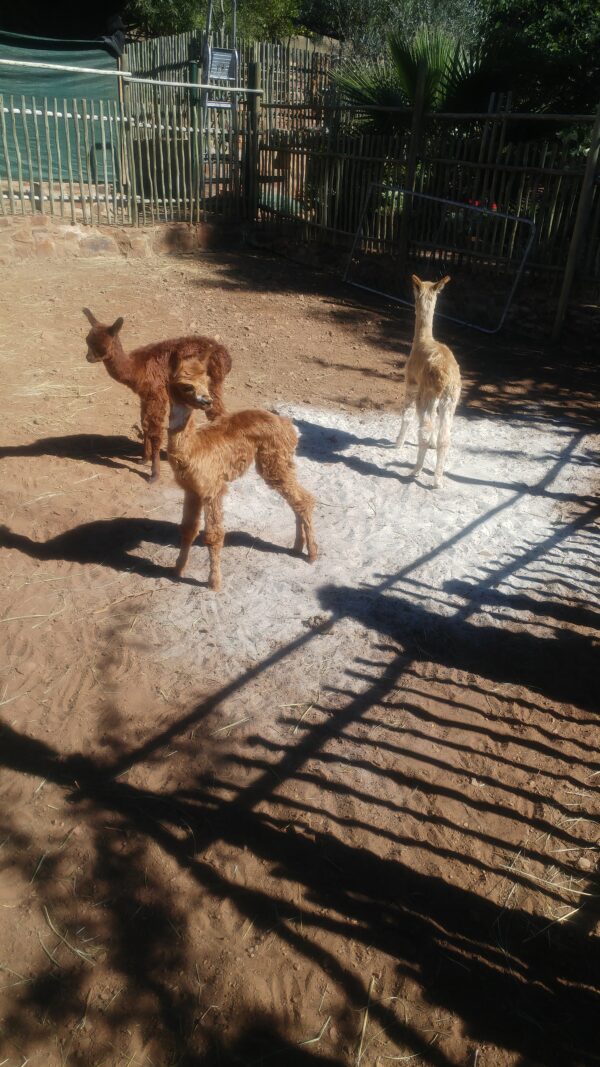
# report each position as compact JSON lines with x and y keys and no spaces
{"x":455,"y":751}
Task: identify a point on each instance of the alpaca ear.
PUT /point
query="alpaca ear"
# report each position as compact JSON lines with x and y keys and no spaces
{"x":416,"y":281}
{"x":116,"y":326}
{"x":442,"y":282}
{"x":219,"y":363}
{"x":93,"y":321}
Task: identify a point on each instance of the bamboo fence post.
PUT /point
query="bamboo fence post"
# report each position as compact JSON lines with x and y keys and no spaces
{"x":128,"y":144}
{"x":61,"y":191}
{"x":18,"y":155}
{"x":38,"y":154}
{"x":11,"y":195}
{"x":581,"y":219}
{"x":28,"y":153}
{"x":252,"y":144}
{"x":49,"y":156}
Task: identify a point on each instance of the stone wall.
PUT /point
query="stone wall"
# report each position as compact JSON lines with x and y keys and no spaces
{"x":26,"y":236}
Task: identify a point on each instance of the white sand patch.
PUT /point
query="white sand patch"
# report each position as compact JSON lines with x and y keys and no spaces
{"x":381,"y":535}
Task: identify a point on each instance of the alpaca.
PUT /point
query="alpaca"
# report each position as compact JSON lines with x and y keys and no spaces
{"x":432,"y":381}
{"x":204,"y":460}
{"x":146,"y":370}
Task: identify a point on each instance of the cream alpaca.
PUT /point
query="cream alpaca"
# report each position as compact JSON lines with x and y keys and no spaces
{"x":432,"y":381}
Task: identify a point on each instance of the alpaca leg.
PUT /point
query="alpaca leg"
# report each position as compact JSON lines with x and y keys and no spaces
{"x":214,"y":537}
{"x":406,"y":411}
{"x":156,"y":443}
{"x":157,"y":417}
{"x":280,"y":474}
{"x":190,"y":524}
{"x":426,"y":413}
{"x":147,"y":443}
{"x":299,"y":540}
{"x":302,"y":504}
{"x":447,"y":408}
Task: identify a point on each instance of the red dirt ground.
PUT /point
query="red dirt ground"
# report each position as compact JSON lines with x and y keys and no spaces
{"x":396,"y":867}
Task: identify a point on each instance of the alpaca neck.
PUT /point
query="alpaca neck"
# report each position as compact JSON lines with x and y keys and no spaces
{"x":423,"y":324}
{"x":119,"y":364}
{"x":181,"y":432}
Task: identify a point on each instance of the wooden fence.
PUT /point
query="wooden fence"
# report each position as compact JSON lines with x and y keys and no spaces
{"x":289,"y":74}
{"x":105,"y":163}
{"x":316,"y":171}
{"x":308,"y":166}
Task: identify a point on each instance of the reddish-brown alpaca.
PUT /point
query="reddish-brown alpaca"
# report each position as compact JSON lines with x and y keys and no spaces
{"x":204,"y":460}
{"x":146,"y":371}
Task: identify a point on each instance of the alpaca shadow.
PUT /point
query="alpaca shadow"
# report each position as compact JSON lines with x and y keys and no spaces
{"x":111,"y":542}
{"x":241,"y":539}
{"x":105,"y":542}
{"x":326,"y":444}
{"x":92,"y":447}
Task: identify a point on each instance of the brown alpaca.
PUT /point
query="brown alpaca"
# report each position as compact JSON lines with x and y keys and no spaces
{"x":432,"y":381}
{"x":146,"y":371}
{"x":204,"y":460}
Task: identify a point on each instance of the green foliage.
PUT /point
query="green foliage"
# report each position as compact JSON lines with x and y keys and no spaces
{"x":551,"y":52}
{"x":155,"y":17}
{"x":260,"y":19}
{"x":450,"y":73}
{"x":552,"y":27}
{"x":436,"y":49}
{"x":268,"y":20}
{"x":364,"y":25}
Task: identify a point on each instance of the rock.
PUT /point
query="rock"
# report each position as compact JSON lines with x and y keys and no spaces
{"x":45,"y":247}
{"x":23,"y":236}
{"x":138,"y":248}
{"x":98,"y":246}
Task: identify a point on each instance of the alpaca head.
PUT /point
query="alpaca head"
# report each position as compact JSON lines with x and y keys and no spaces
{"x":101,"y":339}
{"x":189,"y":382}
{"x":426,"y":293}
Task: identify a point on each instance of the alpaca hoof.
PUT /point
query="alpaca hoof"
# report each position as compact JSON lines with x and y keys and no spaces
{"x":153,"y":478}
{"x":438,"y":483}
{"x":178,"y":571}
{"x":312,"y":556}
{"x":214,"y":584}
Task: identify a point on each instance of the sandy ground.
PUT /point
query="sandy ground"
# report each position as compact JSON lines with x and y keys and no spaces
{"x":340,"y":814}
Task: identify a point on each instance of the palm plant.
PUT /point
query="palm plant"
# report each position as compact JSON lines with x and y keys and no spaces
{"x":453,"y":74}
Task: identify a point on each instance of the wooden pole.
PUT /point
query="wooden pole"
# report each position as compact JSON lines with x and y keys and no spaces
{"x":252,"y":149}
{"x":581,"y":221}
{"x":124,"y":95}
{"x":414,"y":144}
